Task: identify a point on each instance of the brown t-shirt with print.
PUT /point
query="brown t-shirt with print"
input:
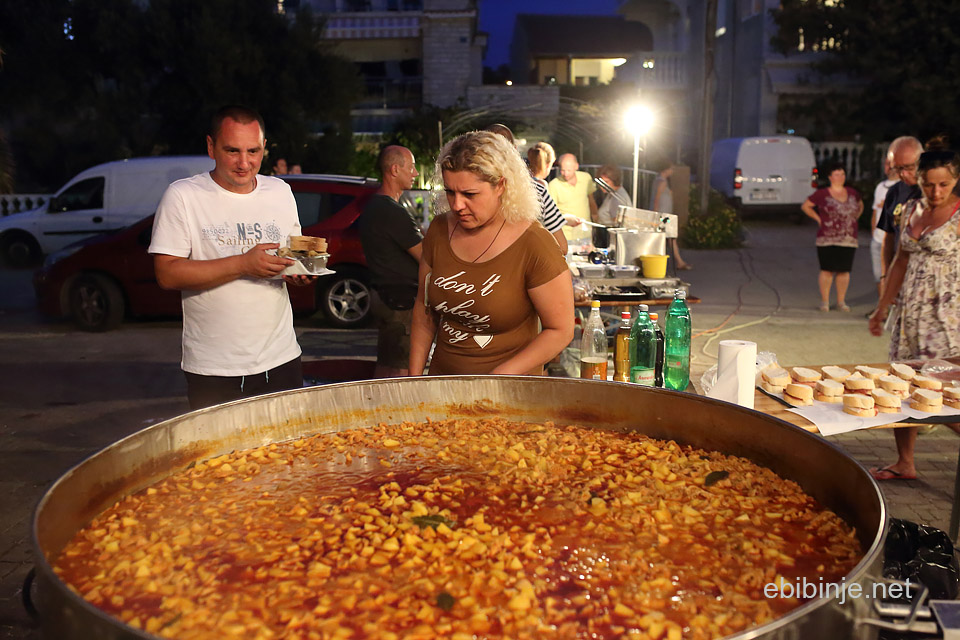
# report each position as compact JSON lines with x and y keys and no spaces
{"x":484,"y":315}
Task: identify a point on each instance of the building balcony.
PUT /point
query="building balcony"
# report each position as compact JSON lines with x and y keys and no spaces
{"x":371,"y":25}
{"x":355,"y":6}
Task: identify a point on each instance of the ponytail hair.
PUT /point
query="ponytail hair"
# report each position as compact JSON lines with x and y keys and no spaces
{"x":541,"y":157}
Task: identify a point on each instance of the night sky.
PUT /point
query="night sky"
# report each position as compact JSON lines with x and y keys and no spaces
{"x":497,"y":18}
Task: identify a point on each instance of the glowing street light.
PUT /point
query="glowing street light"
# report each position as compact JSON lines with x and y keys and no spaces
{"x":638,"y":120}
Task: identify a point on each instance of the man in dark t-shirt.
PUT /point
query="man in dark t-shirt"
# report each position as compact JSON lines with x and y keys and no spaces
{"x":906,"y":154}
{"x":392,"y":245}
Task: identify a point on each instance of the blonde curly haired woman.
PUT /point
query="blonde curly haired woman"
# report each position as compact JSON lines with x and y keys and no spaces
{"x":489,"y":271}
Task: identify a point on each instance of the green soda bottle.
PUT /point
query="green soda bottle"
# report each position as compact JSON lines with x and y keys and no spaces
{"x":676,"y":349}
{"x":643,"y":349}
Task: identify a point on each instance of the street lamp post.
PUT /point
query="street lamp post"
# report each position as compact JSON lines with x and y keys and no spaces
{"x":636,"y":168}
{"x":638,"y":120}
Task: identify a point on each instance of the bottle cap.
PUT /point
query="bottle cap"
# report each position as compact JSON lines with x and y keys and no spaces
{"x":595,"y":304}
{"x":642,"y":307}
{"x":624,"y":315}
{"x":681,"y":294}
{"x":654,"y":315}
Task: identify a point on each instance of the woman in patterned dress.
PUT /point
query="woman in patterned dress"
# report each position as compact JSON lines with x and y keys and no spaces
{"x":835,"y":209}
{"x":926,"y":275}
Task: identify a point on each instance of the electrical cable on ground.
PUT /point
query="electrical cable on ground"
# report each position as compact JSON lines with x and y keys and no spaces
{"x":719,"y":330}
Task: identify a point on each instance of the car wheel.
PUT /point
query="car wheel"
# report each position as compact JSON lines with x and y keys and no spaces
{"x":19,"y":249}
{"x":96,"y":303}
{"x":345,"y":299}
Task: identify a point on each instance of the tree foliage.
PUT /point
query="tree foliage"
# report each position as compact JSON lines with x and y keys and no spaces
{"x":418,"y":132}
{"x":898,"y":60}
{"x":87,"y":81}
{"x":719,"y":228}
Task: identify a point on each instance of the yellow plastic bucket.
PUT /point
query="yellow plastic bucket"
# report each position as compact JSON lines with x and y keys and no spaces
{"x":654,"y":266}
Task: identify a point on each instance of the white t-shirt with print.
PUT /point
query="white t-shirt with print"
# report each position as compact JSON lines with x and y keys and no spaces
{"x":879,"y":195}
{"x":245,"y":326}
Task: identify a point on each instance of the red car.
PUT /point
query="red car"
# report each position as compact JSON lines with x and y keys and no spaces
{"x":100,"y":281}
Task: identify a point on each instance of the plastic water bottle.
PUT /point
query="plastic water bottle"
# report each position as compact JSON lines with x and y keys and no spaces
{"x":658,"y":379}
{"x":643,"y":349}
{"x":593,"y":346}
{"x":621,"y":350}
{"x":676,"y":348}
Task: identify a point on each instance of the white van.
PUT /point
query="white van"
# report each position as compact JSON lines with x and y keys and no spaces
{"x":104,"y":198}
{"x":764,"y":173}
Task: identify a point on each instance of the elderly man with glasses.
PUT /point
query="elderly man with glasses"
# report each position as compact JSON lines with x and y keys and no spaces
{"x":905,"y":152}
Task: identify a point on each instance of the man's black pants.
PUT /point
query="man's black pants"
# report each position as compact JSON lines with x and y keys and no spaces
{"x":206,"y":391}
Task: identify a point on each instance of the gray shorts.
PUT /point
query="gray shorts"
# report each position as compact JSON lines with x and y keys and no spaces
{"x":393,"y":334}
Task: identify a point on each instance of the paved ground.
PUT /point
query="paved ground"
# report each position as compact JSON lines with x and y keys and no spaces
{"x":64,"y":394}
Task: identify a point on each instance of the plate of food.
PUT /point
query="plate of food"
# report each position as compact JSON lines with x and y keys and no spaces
{"x":310,"y":254}
{"x":873,"y":396}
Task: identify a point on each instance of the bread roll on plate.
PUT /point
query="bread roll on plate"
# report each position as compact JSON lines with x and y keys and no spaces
{"x":828,"y":391}
{"x":871,"y":372}
{"x":308,"y":243}
{"x":951,"y":397}
{"x":904,"y":371}
{"x":835,"y":373}
{"x":859,"y":382}
{"x":858,"y":404}
{"x":885,"y":402}
{"x":926,"y":400}
{"x":926,"y":382}
{"x":799,"y":395}
{"x":897,"y":386}
{"x":773,"y":379}
{"x":803,"y":374}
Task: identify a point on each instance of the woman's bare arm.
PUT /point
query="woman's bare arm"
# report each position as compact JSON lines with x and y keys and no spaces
{"x":423,"y":328}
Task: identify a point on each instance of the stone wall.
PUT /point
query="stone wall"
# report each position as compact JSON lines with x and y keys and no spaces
{"x":447,"y":57}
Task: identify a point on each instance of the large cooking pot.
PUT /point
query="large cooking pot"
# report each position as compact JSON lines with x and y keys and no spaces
{"x":141,"y":459}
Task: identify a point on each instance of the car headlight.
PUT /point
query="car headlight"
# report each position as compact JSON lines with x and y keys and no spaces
{"x":57,"y":256}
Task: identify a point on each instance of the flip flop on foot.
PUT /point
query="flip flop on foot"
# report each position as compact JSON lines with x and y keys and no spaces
{"x":824,"y":307}
{"x":887,"y":473}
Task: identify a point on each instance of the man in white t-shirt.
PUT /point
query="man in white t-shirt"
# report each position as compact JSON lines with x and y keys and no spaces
{"x":211,"y":238}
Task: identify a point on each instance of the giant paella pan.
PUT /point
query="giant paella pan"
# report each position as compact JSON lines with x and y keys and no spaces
{"x":404,"y":442}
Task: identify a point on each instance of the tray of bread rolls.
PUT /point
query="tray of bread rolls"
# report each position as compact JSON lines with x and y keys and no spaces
{"x":838,"y":399}
{"x":310,"y":254}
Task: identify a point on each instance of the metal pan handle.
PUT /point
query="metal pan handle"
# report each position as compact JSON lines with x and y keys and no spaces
{"x":912,"y":618}
{"x":26,"y":596}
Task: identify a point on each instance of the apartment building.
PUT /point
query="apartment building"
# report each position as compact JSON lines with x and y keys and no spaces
{"x":410,"y":53}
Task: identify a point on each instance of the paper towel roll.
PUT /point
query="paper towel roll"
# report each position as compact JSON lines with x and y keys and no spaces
{"x":736,"y":372}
